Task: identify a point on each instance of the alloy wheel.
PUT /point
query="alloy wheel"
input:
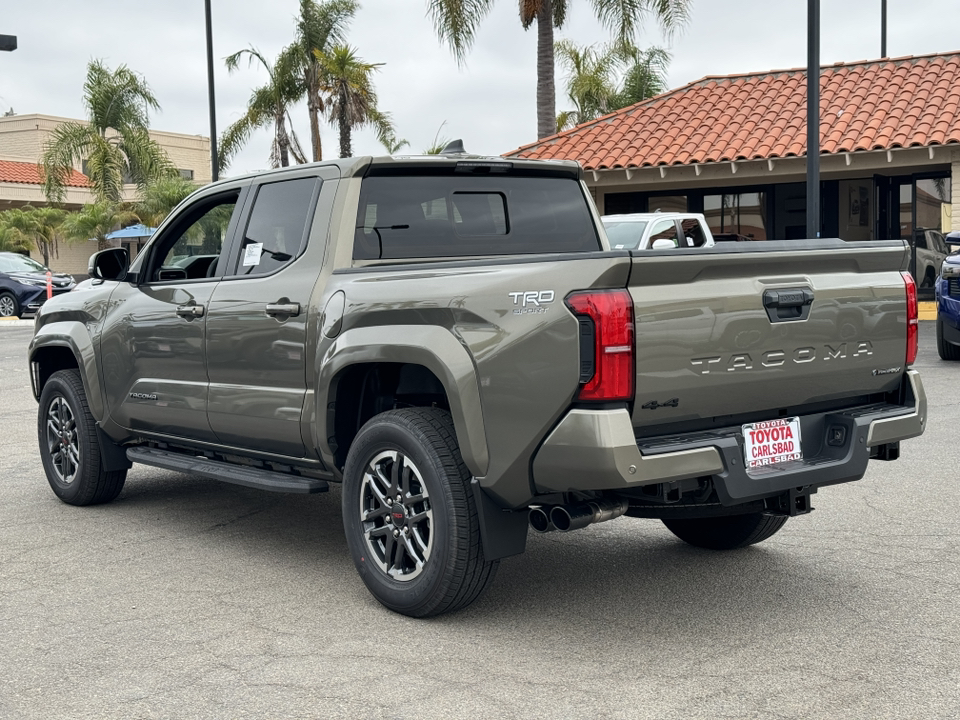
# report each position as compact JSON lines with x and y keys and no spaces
{"x":396,"y":516}
{"x":7,"y":307}
{"x":63,"y":442}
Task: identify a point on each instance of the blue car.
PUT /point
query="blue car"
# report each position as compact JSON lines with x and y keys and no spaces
{"x":23,"y":284}
{"x":948,"y":303}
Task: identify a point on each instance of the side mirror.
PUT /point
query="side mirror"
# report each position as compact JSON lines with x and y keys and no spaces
{"x":663,"y":244}
{"x":111,"y":264}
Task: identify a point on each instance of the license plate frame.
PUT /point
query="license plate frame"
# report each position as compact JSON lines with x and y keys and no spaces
{"x":771,"y":443}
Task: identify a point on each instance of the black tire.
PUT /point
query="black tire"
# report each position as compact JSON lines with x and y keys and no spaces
{"x":69,"y":447}
{"x":9,"y":307}
{"x":431,"y":560}
{"x":947,"y":350}
{"x":728,"y":532}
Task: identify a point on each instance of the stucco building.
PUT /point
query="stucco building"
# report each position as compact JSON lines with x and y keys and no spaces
{"x":734,"y":148}
{"x":22,"y":141}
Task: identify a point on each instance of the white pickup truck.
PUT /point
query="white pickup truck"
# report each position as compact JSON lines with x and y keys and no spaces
{"x":657,"y":231}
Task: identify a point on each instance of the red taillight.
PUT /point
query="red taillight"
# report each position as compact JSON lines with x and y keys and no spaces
{"x":611,"y":312}
{"x":912,"y":317}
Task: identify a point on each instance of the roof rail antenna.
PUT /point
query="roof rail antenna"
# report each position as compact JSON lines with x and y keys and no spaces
{"x":454,"y":147}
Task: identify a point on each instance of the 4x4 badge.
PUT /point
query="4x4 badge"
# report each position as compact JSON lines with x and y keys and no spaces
{"x":653,"y":404}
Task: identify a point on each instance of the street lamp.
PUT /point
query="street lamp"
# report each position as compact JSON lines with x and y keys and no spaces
{"x":214,"y":161}
{"x":8,"y":43}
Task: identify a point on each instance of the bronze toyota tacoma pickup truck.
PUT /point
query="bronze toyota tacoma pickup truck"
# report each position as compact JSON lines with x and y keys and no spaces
{"x":452,"y":339}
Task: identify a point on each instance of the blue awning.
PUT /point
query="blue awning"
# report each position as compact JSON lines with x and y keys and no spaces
{"x":134,"y":231}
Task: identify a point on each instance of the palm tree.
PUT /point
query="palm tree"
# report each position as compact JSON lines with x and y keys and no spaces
{"x":162,"y":196}
{"x":320,"y":26}
{"x":12,"y":239}
{"x":591,"y":84}
{"x":96,"y":220}
{"x":595,"y":86}
{"x":351,"y":100}
{"x":37,"y":225}
{"x":439,"y":143}
{"x":456,"y":23}
{"x":268,"y":105}
{"x":115,"y":141}
{"x":646,"y":76}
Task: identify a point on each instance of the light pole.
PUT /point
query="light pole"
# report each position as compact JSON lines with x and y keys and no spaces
{"x":214,"y":160}
{"x":813,"y":118}
{"x":883,"y":28}
{"x":8,"y":43}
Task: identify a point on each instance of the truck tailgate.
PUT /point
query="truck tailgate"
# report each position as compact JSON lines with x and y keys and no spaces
{"x":765,"y":328}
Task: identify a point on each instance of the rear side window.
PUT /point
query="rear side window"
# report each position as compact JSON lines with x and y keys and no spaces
{"x":277,"y":228}
{"x":426,"y":216}
{"x":693,"y":232}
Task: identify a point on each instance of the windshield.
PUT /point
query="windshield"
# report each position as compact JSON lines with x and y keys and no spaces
{"x":19,"y":264}
{"x":625,"y":235}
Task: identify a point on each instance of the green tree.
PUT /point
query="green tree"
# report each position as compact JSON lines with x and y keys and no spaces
{"x":456,"y":22}
{"x":115,"y":141}
{"x":645,"y":76}
{"x":96,"y":221}
{"x":162,"y":196}
{"x":12,"y":239}
{"x":268,"y":105}
{"x":38,"y":226}
{"x":605,"y":78}
{"x":320,"y":26}
{"x":347,"y":81}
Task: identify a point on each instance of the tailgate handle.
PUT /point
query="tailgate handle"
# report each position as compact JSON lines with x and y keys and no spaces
{"x":788,"y":304}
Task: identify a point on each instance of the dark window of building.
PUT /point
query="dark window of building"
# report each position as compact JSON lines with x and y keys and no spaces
{"x":668,"y":203}
{"x":743,"y":214}
{"x":624,"y":203}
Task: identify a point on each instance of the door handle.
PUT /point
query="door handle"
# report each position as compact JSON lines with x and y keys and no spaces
{"x":190,"y":311}
{"x":288,"y":309}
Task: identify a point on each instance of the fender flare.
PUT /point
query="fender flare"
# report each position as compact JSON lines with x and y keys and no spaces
{"x":74,"y":337}
{"x":431,"y":346}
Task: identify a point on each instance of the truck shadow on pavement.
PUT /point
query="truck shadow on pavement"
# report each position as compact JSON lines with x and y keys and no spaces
{"x":628,"y":575}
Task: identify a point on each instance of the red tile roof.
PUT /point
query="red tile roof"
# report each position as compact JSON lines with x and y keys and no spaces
{"x":32,"y":174}
{"x":870,"y":105}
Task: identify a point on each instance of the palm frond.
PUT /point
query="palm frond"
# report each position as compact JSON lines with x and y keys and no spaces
{"x":456,"y":22}
{"x":623,"y":17}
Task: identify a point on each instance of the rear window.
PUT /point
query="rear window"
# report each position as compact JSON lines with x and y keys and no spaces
{"x":425,"y":216}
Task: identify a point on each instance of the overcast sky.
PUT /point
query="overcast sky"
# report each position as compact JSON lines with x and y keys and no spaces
{"x":490,"y":102}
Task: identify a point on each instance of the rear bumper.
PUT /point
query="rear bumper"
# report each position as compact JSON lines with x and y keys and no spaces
{"x":596,"y":450}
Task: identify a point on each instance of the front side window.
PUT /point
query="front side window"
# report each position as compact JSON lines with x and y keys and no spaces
{"x":277,"y":228}
{"x":665,"y":230}
{"x":189,"y":250}
{"x":451,"y":215}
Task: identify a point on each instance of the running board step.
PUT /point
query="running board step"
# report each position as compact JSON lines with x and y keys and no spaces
{"x":226,"y":472}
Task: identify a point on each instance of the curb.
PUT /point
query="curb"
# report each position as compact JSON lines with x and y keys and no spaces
{"x":927,"y":310}
{"x":14,"y":322}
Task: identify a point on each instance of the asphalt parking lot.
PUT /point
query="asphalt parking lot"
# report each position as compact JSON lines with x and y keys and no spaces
{"x":187,"y":598}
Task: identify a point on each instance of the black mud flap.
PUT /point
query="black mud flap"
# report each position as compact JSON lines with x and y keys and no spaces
{"x":112,"y":456}
{"x":503,"y":532}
